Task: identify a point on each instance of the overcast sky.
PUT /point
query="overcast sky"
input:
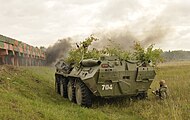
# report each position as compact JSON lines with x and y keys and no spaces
{"x":43,"y":22}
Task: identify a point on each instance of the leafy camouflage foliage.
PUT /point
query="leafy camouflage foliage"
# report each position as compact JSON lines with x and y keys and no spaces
{"x":147,"y":54}
{"x":76,"y":54}
{"x":139,"y":53}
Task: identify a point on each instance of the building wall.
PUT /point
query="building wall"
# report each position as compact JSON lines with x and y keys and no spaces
{"x":14,"y":52}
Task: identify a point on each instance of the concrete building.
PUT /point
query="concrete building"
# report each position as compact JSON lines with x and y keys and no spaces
{"x":14,"y":52}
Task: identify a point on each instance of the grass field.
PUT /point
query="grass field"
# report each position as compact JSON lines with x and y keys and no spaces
{"x":28,"y":94}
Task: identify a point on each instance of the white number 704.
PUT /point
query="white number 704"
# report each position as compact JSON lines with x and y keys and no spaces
{"x":107,"y":87}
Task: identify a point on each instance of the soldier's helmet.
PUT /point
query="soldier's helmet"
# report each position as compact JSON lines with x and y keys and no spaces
{"x":162,"y":82}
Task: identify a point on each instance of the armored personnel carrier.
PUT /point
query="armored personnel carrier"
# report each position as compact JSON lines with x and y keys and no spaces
{"x":107,"y":77}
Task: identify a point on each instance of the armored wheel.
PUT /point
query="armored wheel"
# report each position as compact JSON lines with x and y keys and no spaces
{"x":57,"y":85}
{"x":142,"y":96}
{"x":83,"y":95}
{"x":71,"y":91}
{"x":63,"y":87}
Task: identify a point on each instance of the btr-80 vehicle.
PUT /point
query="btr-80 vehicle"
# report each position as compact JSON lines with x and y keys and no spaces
{"x":107,"y":77}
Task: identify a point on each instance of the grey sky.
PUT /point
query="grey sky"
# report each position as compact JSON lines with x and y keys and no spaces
{"x":43,"y":22}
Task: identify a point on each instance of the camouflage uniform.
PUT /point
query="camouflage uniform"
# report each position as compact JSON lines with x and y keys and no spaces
{"x":162,"y":91}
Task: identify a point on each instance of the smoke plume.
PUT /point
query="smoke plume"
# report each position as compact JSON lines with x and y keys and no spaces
{"x":155,"y":35}
{"x":58,"y":50}
{"x":120,"y":36}
{"x":126,"y":38}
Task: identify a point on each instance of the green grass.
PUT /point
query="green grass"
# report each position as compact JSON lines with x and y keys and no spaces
{"x":28,"y":94}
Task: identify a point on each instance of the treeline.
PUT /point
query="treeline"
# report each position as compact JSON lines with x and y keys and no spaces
{"x":177,"y":55}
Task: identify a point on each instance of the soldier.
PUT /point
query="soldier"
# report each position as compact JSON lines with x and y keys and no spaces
{"x":162,"y":91}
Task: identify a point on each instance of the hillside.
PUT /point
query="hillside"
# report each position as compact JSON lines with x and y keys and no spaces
{"x":28,"y":93}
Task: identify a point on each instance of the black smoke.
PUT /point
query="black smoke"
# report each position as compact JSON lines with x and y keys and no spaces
{"x":58,"y":50}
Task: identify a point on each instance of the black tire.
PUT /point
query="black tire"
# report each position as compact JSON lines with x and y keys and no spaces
{"x":63,"y":87}
{"x":83,"y":95}
{"x":142,"y":96}
{"x":57,"y":84}
{"x":71,"y":91}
